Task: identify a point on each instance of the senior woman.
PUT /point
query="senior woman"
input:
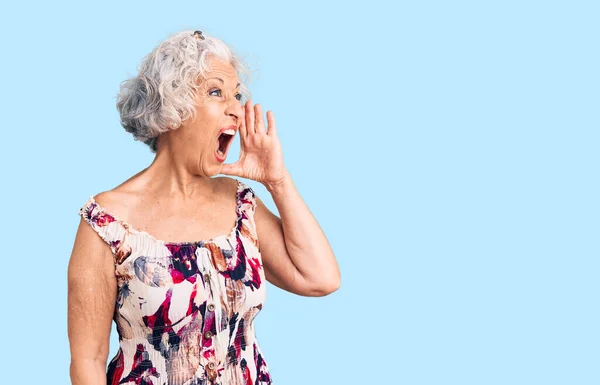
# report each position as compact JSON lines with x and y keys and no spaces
{"x":158,"y":254}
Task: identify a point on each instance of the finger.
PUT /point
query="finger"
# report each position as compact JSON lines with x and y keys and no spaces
{"x":250,"y":119}
{"x":259,"y":125}
{"x":272,"y":126}
{"x":243,"y":131}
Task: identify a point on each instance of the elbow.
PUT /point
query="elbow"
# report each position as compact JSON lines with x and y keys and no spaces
{"x":82,"y":370}
{"x":326,"y":289}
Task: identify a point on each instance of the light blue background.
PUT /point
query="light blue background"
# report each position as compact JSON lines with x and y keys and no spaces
{"x":449,"y":150}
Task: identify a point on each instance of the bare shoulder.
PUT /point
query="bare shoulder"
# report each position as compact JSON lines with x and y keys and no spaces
{"x":226,"y":184}
{"x":226,"y":179}
{"x":121,"y":199}
{"x":108,"y":199}
{"x":118,"y":201}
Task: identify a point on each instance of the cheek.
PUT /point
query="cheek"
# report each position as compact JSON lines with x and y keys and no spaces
{"x":198,"y":133}
{"x":209,"y":118}
{"x":209,"y":107}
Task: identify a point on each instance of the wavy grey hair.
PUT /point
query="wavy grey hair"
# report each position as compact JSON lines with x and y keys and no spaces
{"x":161,"y":96}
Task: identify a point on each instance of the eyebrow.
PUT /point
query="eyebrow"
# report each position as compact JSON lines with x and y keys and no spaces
{"x":222,"y":81}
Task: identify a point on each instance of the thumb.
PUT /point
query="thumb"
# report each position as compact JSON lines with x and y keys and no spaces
{"x":233,"y":169}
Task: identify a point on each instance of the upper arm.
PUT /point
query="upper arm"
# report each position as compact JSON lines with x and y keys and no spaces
{"x":278,"y":266}
{"x":92,"y":288}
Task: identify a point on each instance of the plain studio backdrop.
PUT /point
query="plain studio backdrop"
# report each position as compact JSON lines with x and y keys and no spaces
{"x":449,"y":150}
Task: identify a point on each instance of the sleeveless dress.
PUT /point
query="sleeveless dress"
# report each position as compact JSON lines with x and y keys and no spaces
{"x":184,"y":310}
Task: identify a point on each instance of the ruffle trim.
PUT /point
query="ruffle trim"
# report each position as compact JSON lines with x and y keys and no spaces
{"x":111,"y":228}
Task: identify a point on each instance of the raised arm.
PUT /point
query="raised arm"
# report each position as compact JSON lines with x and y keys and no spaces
{"x":92,"y":288}
{"x":296,"y":254}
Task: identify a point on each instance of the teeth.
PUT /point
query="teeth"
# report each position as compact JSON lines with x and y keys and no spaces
{"x":231,"y":131}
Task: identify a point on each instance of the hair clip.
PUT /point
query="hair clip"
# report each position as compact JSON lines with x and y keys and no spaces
{"x":198,"y":35}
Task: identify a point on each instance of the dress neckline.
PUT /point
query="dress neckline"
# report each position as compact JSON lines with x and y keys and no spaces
{"x":133,"y":230}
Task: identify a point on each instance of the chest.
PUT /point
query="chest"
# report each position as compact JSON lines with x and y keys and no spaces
{"x":173,"y":280}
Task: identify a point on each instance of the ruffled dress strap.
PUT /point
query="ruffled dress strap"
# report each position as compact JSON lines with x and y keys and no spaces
{"x":247,"y":207}
{"x":247,"y":198}
{"x":113,"y":231}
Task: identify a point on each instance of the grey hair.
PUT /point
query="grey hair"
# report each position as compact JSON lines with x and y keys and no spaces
{"x":161,"y":96}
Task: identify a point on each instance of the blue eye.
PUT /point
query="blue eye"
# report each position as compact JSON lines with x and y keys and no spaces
{"x":238,"y":96}
{"x":214,"y":91}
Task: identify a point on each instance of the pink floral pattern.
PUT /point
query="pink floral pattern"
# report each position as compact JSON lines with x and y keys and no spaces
{"x":185,"y":310}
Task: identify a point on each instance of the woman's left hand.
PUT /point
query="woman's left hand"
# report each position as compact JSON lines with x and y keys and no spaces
{"x":261,"y":156}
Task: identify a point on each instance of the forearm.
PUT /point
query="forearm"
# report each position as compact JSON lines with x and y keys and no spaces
{"x":88,"y":372}
{"x":305,"y":241}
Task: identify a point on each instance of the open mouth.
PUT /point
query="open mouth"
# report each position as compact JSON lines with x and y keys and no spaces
{"x":225,"y":140}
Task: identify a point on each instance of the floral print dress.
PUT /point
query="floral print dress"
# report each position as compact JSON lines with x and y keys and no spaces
{"x":185,"y":310}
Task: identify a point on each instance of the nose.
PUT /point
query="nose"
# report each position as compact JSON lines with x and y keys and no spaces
{"x":234,"y":109}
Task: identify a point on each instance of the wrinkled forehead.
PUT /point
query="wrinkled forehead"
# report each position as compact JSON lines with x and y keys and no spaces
{"x":221,"y":72}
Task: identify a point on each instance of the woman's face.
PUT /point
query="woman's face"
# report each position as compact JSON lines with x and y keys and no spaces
{"x":201,"y":142}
